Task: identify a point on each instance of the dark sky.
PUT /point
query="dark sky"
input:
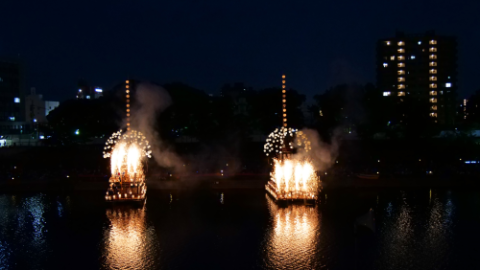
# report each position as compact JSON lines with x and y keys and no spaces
{"x":208,"y":43}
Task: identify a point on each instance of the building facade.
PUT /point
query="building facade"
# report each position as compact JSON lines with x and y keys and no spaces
{"x":37,"y":109}
{"x":420,"y":67}
{"x":12,"y":98}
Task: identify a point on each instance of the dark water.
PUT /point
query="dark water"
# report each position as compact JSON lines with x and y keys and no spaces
{"x":415,"y":229}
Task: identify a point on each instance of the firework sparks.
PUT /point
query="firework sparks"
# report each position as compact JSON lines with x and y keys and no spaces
{"x":127,"y":152}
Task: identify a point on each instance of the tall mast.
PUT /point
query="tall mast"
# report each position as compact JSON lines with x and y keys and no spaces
{"x":284,"y":101}
{"x":127,"y":91}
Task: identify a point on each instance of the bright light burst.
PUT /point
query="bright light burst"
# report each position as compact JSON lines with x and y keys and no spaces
{"x":284,"y":138}
{"x":126,"y":152}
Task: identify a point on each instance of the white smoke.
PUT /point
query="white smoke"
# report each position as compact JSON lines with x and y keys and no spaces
{"x":151,"y":100}
{"x":322,"y":154}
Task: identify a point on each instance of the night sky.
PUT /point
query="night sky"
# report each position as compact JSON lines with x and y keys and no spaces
{"x":208,"y":43}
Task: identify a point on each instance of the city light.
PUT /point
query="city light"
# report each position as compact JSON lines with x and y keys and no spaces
{"x":77,"y":132}
{"x":16,"y":100}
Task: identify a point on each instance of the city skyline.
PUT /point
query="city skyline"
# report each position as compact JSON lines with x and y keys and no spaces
{"x":207,"y":45}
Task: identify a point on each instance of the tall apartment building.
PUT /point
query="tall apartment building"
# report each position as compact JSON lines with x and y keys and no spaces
{"x":421,"y":67}
{"x":12,"y":99}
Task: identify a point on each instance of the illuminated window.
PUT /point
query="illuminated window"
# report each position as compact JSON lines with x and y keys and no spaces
{"x":88,"y":97}
{"x":401,"y":50}
{"x":412,"y":57}
{"x":433,"y":78}
{"x":433,"y":108}
{"x":433,"y":100}
{"x":433,"y":85}
{"x":385,"y":65}
{"x":401,"y":43}
{"x":386,"y":93}
{"x":419,"y":43}
{"x":448,"y":85}
{"x":433,"y":114}
{"x":16,"y":100}
{"x":433,"y":64}
{"x":432,"y":42}
{"x":401,"y":72}
{"x":433,"y":71}
{"x":401,"y":94}
{"x":433,"y":93}
{"x":441,"y":92}
{"x":401,"y":58}
{"x":401,"y":79}
{"x":392,"y":57}
{"x":401,"y":64}
{"x":387,"y":42}
{"x":432,"y":56}
{"x":401,"y":86}
{"x":432,"y":49}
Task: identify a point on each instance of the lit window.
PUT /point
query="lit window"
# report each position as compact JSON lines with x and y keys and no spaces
{"x":401,"y":50}
{"x":401,"y":64}
{"x":412,"y":57}
{"x":419,"y":43}
{"x":448,"y":77}
{"x":386,"y":93}
{"x":401,"y":58}
{"x":80,"y":90}
{"x":432,"y":56}
{"x":401,"y":86}
{"x":34,"y":120}
{"x":401,"y":43}
{"x":401,"y":72}
{"x":88,"y":97}
{"x":12,"y":118}
{"x":433,"y":64}
{"x":433,"y":93}
{"x":433,"y":71}
{"x":433,"y":85}
{"x":432,"y":49}
{"x":16,"y":100}
{"x":441,"y":92}
{"x":401,"y":79}
{"x":385,"y":65}
{"x":433,"y":114}
{"x":448,"y":85}
{"x":98,"y":90}
{"x":432,"y":42}
{"x":433,"y":108}
{"x":401,"y":94}
{"x":392,"y":57}
{"x":433,"y":100}
{"x":387,"y":42}
{"x":433,"y":78}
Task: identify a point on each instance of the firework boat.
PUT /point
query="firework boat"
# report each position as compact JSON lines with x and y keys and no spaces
{"x":123,"y":188}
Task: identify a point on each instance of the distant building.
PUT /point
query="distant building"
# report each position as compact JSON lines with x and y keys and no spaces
{"x":37,"y":109}
{"x":422,"y":67}
{"x":86,"y":91}
{"x":12,"y":99}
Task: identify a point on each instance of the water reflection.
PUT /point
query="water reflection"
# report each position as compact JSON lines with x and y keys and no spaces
{"x":292,"y":240}
{"x":130,"y":242}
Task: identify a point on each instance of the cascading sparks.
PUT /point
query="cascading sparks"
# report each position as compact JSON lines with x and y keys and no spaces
{"x":126,"y":152}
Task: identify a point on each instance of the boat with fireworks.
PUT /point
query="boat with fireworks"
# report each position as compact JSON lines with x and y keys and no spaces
{"x":127,"y":152}
{"x":293,"y":178}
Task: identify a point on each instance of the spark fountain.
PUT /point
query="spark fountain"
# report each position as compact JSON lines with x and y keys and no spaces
{"x":127,"y":151}
{"x":292,"y":178}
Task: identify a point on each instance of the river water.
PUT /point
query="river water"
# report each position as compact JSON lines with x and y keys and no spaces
{"x":205,"y":229}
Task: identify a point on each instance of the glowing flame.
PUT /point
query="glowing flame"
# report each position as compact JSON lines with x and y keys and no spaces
{"x":293,"y":179}
{"x":127,"y":151}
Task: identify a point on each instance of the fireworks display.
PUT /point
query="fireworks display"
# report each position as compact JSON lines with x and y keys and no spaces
{"x":127,"y":152}
{"x":292,"y":177}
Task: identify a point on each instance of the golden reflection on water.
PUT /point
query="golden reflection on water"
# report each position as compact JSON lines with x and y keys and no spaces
{"x":292,"y":240}
{"x":130,"y":243}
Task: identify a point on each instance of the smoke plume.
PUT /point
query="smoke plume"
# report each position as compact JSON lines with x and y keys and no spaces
{"x":322,"y":155}
{"x":151,"y":100}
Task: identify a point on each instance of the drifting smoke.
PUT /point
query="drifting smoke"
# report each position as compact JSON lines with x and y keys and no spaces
{"x":150,"y":101}
{"x":322,"y":155}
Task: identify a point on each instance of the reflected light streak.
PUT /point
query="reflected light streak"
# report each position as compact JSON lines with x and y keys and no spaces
{"x":292,"y":241}
{"x":130,"y":243}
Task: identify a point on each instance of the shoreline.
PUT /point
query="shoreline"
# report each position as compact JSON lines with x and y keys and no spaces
{"x":257,"y":183}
